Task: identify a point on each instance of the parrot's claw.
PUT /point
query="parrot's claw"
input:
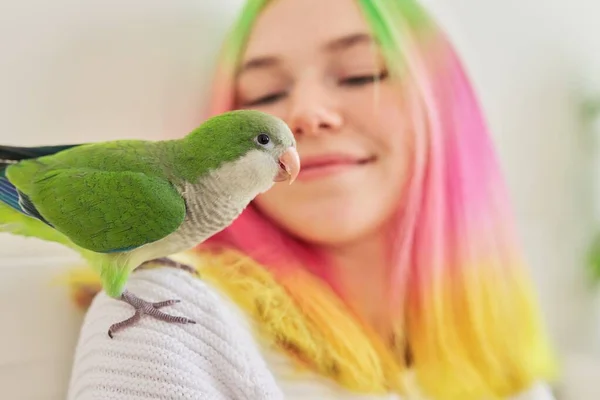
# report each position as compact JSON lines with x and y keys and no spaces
{"x":145,"y":307}
{"x":168,"y":263}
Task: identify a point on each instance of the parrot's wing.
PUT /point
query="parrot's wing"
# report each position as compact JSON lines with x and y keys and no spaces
{"x":15,"y":219}
{"x":104,"y":211}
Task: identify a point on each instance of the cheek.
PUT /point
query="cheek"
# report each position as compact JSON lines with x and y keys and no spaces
{"x":384,"y":122}
{"x":395,"y":135}
{"x":380,"y":115}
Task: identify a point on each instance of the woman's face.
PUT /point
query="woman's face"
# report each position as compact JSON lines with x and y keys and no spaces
{"x":314,"y":64}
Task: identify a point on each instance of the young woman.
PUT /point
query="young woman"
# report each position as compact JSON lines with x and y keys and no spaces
{"x":388,"y":270}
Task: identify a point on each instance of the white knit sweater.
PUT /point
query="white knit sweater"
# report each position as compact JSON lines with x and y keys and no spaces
{"x":217,"y":358}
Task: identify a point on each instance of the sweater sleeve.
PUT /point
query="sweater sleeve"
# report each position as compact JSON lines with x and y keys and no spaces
{"x":216,"y":358}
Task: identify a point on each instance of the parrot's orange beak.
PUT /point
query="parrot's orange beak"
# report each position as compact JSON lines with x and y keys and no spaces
{"x":289,"y":163}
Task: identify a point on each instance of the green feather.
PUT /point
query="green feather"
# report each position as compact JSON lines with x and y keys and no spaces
{"x":20,"y":224}
{"x":105,"y":199}
{"x":218,"y":145}
{"x":105,"y":211}
{"x":114,"y":271}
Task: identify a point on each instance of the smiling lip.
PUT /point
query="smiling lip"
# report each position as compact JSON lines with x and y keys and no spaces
{"x":316,"y":167}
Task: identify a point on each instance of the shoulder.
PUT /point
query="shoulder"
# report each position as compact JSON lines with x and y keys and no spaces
{"x":216,"y":358}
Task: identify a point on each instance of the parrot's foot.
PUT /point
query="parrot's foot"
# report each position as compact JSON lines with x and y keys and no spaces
{"x":169,"y":263}
{"x":145,"y":307}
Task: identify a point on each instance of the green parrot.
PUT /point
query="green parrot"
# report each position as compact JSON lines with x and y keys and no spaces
{"x":124,"y":203}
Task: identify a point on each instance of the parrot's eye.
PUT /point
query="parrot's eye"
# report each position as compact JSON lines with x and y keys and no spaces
{"x":263,"y":139}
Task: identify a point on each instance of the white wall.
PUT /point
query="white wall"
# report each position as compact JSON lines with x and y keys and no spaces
{"x":84,"y":71}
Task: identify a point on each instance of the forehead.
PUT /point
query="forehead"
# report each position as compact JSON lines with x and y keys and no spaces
{"x":302,"y":26}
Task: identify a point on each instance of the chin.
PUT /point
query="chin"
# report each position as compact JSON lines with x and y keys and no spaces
{"x":330,"y":235}
{"x":332,"y":227}
{"x":331,"y":216}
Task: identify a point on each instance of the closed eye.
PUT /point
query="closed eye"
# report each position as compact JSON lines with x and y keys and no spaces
{"x":267,"y":99}
{"x":363,"y":79}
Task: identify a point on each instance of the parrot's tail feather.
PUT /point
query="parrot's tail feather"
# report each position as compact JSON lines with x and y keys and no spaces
{"x":11,"y":195}
{"x":17,"y":223}
{"x":9,"y":228}
{"x":13,"y":154}
{"x":8,"y":193}
{"x":16,"y":199}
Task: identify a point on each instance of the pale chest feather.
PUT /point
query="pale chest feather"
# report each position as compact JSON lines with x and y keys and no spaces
{"x":211,"y":207}
{"x":217,"y":199}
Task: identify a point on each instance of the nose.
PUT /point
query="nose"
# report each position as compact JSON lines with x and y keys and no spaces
{"x":312,"y":111}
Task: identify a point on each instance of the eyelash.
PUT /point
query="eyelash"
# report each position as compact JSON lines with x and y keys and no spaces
{"x":353,"y":81}
{"x":364,"y":79}
{"x":268,"y":99}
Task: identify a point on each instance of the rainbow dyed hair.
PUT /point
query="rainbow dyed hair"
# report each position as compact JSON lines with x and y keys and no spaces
{"x":459,"y":295}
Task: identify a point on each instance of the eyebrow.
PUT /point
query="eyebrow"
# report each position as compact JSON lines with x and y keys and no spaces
{"x":332,"y":46}
{"x":348,"y":41}
{"x":259,"y":62}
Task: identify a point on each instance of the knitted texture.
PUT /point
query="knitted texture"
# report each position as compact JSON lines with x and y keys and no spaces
{"x":217,"y":358}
